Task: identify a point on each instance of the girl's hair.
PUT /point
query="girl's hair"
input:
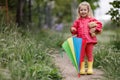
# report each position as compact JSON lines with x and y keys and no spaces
{"x":90,"y":14}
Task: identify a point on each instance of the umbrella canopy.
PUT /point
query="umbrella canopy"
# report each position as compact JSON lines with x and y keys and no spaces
{"x":73,"y":48}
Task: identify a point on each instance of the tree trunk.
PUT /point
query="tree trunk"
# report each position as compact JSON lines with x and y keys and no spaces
{"x":48,"y":14}
{"x":19,"y":12}
{"x":7,"y":17}
{"x":30,"y":14}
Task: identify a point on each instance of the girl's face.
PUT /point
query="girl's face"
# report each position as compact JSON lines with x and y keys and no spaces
{"x":83,"y":12}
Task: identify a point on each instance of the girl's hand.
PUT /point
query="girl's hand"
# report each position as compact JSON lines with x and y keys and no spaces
{"x":92,"y":24}
{"x":73,"y":29}
{"x":93,"y":34}
{"x":92,"y":30}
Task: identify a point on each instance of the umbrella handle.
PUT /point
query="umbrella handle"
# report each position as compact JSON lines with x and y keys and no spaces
{"x":78,"y":75}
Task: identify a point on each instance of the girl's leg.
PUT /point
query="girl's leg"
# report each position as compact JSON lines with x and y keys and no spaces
{"x":82,"y":64}
{"x":83,"y":51}
{"x":89,"y":51}
{"x":89,"y":54}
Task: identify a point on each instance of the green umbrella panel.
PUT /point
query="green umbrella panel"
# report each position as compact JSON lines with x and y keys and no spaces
{"x":68,"y":51}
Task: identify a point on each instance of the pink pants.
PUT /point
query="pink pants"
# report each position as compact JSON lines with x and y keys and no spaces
{"x":87,"y":51}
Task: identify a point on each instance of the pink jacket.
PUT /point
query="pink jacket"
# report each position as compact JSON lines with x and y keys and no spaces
{"x":83,"y":30}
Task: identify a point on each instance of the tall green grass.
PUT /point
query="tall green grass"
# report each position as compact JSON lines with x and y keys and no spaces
{"x":22,"y":57}
{"x":115,"y":40}
{"x":25,"y":55}
{"x":107,"y":58}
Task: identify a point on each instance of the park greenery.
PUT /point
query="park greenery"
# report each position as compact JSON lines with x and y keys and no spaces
{"x":26,"y":46}
{"x":42,"y":12}
{"x":115,"y":12}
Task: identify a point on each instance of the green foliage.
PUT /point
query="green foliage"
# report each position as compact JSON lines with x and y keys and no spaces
{"x":110,"y":26}
{"x":22,"y":57}
{"x":107,"y":58}
{"x":11,"y":4}
{"x":2,"y":2}
{"x":100,"y":53}
{"x":110,"y":66}
{"x":115,"y":40}
{"x":115,"y":12}
{"x":51,"y":38}
{"x":63,"y":8}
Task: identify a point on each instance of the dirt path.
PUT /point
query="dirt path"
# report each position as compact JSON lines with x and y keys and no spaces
{"x":69,"y":72}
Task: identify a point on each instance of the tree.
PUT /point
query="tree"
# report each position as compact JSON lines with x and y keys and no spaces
{"x":39,"y":12}
{"x":63,"y":8}
{"x":23,"y":12}
{"x":115,"y":12}
{"x":19,"y":12}
{"x":30,"y":12}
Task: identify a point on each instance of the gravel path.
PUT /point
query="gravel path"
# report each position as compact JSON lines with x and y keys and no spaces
{"x":68,"y":70}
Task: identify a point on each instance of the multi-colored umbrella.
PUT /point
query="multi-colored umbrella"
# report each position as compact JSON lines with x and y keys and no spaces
{"x":74,"y":49}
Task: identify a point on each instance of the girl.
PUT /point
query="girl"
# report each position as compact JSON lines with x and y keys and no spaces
{"x":86,"y":27}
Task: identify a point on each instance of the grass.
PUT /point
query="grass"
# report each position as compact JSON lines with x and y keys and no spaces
{"x":107,"y":60}
{"x":107,"y":57}
{"x":23,"y":56}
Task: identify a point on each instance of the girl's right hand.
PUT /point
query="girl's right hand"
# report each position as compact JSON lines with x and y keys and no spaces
{"x":73,"y":29}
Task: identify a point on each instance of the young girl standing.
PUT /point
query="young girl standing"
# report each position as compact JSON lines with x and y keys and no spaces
{"x":86,"y":27}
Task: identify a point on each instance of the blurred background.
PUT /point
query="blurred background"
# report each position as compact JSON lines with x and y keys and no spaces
{"x":48,"y":13}
{"x":32,"y":32}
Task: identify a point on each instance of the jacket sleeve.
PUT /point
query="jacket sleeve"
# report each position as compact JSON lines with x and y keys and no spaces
{"x":75,"y":24}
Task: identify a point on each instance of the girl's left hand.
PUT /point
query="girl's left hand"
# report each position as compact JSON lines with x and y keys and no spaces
{"x":92,"y":30}
{"x":92,"y":24}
